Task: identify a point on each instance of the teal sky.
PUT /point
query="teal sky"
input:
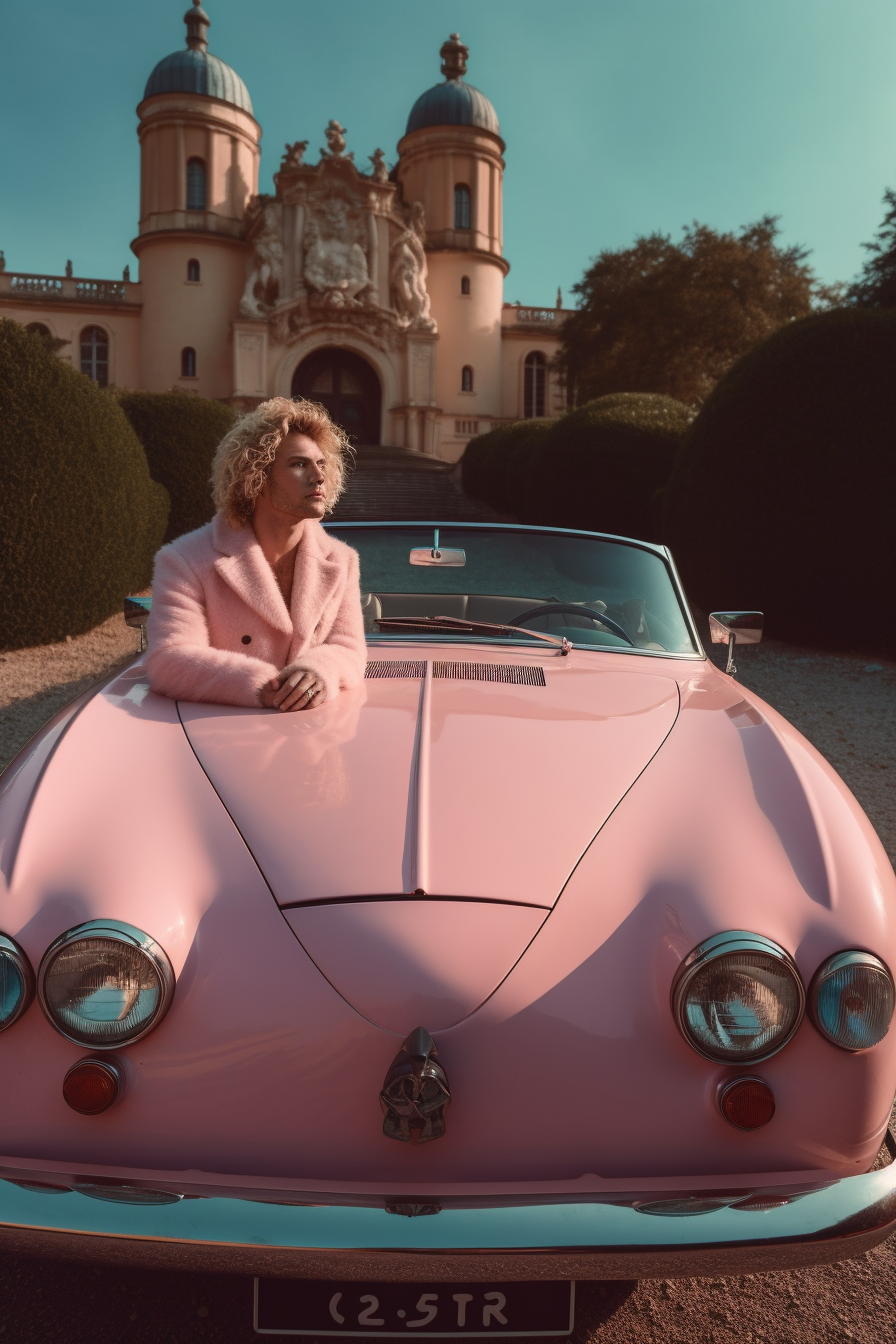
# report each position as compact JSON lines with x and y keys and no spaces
{"x":621,"y":116}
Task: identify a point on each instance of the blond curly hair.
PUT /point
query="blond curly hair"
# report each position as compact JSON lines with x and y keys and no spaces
{"x":244,"y":456}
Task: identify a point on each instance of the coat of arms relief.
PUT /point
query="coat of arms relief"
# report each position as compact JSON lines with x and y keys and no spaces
{"x":338,"y":246}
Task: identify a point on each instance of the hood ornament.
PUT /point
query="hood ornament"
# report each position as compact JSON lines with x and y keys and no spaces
{"x":415,"y":1092}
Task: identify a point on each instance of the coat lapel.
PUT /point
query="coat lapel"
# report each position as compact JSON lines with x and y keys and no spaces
{"x":315,"y":583}
{"x":243,"y":567}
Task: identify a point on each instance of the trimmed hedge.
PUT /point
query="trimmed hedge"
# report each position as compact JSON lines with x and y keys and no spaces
{"x":598,"y":468}
{"x":80,"y":518}
{"x":180,"y":433}
{"x":782,"y":497}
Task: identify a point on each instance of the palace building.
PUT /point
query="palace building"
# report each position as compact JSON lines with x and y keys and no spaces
{"x":378,"y":292}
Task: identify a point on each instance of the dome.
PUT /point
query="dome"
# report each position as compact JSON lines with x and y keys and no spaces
{"x":453,"y":103}
{"x":196,"y":70}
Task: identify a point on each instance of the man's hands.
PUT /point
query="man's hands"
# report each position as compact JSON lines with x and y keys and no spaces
{"x":293,"y":688}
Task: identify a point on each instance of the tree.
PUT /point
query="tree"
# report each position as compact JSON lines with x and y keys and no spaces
{"x":671,"y":318}
{"x":876,"y":286}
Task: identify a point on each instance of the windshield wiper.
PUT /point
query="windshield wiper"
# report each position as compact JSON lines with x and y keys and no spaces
{"x":461,"y":625}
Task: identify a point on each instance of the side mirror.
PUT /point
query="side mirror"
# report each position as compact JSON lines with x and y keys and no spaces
{"x":136,"y":614}
{"x":735,"y":627}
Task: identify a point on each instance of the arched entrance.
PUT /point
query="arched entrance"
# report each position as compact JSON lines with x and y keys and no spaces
{"x":348,"y":387}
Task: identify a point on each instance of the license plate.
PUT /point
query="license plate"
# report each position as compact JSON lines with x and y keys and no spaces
{"x":428,"y":1310}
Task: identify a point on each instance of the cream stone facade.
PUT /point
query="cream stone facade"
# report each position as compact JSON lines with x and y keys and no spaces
{"x":378,"y":292}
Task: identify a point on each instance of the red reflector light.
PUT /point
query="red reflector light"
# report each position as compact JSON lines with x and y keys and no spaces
{"x":747,"y":1103}
{"x":91,"y":1086}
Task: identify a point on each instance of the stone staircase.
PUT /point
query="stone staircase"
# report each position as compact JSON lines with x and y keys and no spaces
{"x":394,"y":484}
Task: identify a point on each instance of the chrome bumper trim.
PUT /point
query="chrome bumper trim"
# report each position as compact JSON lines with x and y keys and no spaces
{"x":590,"y":1238}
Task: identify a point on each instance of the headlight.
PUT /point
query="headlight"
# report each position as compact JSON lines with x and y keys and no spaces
{"x":738,"y":997}
{"x":104,"y":984}
{"x":851,"y":1000}
{"x":16,"y":982}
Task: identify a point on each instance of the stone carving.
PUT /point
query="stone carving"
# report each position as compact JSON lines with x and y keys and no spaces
{"x":377,"y":325}
{"x":407,"y":273}
{"x":69,"y":270}
{"x":263,"y":285}
{"x":2,"y":262}
{"x":335,"y":142}
{"x":380,"y":171}
{"x":335,"y":260}
{"x":294,"y":154}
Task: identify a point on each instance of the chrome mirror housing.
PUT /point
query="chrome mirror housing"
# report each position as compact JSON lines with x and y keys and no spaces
{"x":136,"y":614}
{"x":735,"y":627}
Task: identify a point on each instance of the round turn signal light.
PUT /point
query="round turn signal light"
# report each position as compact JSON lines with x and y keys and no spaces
{"x":91,"y":1086}
{"x":747,"y":1103}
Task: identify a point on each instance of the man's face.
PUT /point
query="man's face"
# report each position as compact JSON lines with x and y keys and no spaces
{"x":296,"y":483}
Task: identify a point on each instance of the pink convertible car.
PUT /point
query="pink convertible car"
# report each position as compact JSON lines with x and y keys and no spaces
{"x":549,"y":953}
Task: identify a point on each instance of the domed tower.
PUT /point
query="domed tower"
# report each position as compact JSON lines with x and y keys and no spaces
{"x":199,"y":152}
{"x":450,"y":158}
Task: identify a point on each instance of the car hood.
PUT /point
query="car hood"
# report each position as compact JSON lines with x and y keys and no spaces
{"x":438,"y":785}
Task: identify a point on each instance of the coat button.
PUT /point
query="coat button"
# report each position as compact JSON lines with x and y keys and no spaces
{"x":247,"y":639}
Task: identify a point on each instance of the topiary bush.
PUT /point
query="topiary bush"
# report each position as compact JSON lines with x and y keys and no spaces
{"x":781,"y":499}
{"x":80,"y":517}
{"x":482,"y":465}
{"x":609,"y":458}
{"x":180,"y":433}
{"x":598,"y":468}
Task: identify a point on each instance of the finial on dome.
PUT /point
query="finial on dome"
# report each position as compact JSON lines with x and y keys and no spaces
{"x":454,"y":57}
{"x":197,"y":22}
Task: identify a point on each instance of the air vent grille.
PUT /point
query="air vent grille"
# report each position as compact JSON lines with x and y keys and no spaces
{"x":394,"y":668}
{"x":518,"y":674}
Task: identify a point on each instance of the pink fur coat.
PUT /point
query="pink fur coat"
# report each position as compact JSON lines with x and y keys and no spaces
{"x":219,"y":627}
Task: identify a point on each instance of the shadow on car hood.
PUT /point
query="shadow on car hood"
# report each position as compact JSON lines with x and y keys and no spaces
{"x":443,"y":787}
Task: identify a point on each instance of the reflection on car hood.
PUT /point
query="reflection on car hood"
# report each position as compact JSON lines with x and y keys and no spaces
{"x":442,"y":786}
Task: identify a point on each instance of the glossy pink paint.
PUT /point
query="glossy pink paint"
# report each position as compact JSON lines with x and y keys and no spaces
{"x":564,"y":1061}
{"x":519,"y":779}
{"x":400,"y":961}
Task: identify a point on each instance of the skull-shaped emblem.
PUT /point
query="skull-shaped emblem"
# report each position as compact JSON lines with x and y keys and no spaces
{"x":415,"y":1092}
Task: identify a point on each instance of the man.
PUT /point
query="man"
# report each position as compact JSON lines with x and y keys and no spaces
{"x":261,"y":606}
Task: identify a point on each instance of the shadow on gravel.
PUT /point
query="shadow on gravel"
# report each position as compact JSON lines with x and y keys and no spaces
{"x":45,"y":1301}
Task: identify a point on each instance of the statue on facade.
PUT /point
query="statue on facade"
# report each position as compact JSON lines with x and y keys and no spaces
{"x":2,"y":262}
{"x":69,"y":271}
{"x":126,"y":275}
{"x":407,"y":273}
{"x":335,"y":142}
{"x":335,"y":262}
{"x":263,"y":285}
{"x":294,"y":154}
{"x":380,"y":171}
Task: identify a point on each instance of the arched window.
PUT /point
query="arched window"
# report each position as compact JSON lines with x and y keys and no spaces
{"x":195,"y":184}
{"x":466,"y":379}
{"x":192,"y":269}
{"x":461,"y":207}
{"x":95,"y":355}
{"x":41,"y":331}
{"x":188,"y":362}
{"x":534,"y":380}
{"x":465,"y":284}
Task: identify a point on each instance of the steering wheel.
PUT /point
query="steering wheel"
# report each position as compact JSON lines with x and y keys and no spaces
{"x":575,"y":610}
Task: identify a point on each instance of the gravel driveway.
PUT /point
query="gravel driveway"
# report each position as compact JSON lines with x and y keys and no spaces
{"x":846,"y":705}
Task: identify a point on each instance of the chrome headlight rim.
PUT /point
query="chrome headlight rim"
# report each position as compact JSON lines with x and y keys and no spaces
{"x":836,"y":962}
{"x":130,"y":935}
{"x":10,"y":948}
{"x":722,"y":944}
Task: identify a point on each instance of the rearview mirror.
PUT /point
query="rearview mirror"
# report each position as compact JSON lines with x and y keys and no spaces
{"x":735,"y":627}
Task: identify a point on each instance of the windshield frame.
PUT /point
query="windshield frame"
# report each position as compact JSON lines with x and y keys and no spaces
{"x":653,"y":548}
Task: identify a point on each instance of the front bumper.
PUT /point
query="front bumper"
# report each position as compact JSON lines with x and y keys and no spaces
{"x":613,"y":1237}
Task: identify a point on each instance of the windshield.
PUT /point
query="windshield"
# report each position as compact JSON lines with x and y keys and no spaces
{"x":536,"y":580}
